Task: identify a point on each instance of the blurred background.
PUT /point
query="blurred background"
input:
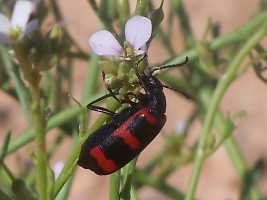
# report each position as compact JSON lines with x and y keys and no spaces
{"x":219,"y":180}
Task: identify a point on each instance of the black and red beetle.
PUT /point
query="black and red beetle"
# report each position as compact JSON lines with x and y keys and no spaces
{"x":120,"y":140}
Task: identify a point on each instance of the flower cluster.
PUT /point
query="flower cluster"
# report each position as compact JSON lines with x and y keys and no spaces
{"x":37,"y":53}
{"x":138,"y":30}
{"x":18,"y":26}
{"x":120,"y":74}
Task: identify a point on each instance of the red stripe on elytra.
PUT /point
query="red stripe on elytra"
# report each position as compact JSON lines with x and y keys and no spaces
{"x":149,"y":118}
{"x":104,"y":163}
{"x":127,"y":136}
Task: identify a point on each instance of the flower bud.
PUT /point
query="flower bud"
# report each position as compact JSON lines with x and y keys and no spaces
{"x":111,"y":81}
{"x":123,"y":91}
{"x":55,"y":35}
{"x":211,"y":142}
{"x":136,"y":90}
{"x":109,"y":67}
{"x":133,"y":78}
{"x":55,"y":38}
{"x":157,"y":16}
{"x":123,"y":71}
{"x":123,"y":77}
{"x":206,"y":58}
{"x":124,"y":67}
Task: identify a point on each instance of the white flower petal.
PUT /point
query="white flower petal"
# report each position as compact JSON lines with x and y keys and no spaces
{"x":140,"y":52}
{"x":58,"y":168}
{"x":31,"y":26}
{"x":4,"y":39}
{"x":4,"y":24}
{"x":138,"y":30}
{"x":103,"y":43}
{"x":143,"y":48}
{"x":21,"y":13}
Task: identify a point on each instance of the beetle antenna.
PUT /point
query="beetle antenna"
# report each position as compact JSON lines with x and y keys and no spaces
{"x":178,"y":91}
{"x":170,"y":66}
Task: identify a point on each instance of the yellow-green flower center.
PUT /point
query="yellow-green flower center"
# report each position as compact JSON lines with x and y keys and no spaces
{"x":127,"y":52}
{"x":14,"y":32}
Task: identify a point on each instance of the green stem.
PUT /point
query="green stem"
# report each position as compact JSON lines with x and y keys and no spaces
{"x":145,"y":178}
{"x":91,"y":78}
{"x":239,"y":35}
{"x":165,"y":39}
{"x":64,"y":192}
{"x":70,"y":164}
{"x":223,"y":84}
{"x":231,"y":146}
{"x":57,"y":14}
{"x":128,"y":173}
{"x":4,"y":147}
{"x":114,"y":186}
{"x":237,"y":159}
{"x":215,"y":45}
{"x":28,"y":135}
{"x":105,"y":20}
{"x":16,"y":79}
{"x":39,"y":129}
{"x":8,"y":171}
{"x":141,"y":6}
{"x":185,"y":25}
{"x":55,"y":121}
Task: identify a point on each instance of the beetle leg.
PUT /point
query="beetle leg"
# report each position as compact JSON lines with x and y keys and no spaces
{"x":112,"y":94}
{"x":90,"y":106}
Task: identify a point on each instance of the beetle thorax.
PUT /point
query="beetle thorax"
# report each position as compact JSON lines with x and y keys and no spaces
{"x":157,"y":99}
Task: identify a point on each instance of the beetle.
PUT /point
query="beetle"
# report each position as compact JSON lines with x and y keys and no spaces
{"x":120,"y":140}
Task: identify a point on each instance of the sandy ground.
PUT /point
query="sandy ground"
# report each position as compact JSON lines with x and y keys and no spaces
{"x":218,"y":180}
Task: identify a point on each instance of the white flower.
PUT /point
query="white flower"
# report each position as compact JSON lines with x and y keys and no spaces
{"x":138,"y":30}
{"x":18,"y":26}
{"x":180,"y":127}
{"x":57,"y":168}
